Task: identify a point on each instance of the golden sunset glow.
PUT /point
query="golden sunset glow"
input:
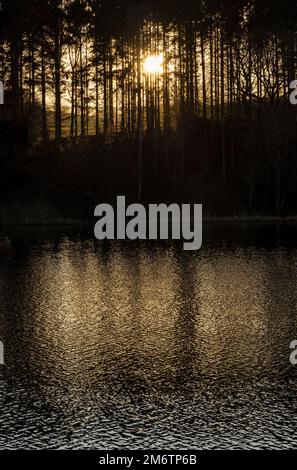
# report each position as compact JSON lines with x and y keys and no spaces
{"x":153,"y":64}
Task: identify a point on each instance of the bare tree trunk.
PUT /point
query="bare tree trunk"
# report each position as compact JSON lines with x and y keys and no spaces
{"x":43,"y":98}
{"x":139,"y":126}
{"x":58,"y":120}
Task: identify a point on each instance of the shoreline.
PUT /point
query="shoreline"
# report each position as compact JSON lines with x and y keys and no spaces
{"x":45,"y":213}
{"x":207,"y":220}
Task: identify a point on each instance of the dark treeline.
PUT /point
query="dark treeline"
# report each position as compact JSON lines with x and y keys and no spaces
{"x":179,"y":100}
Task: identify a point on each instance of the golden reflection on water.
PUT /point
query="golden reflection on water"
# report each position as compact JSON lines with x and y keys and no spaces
{"x":232,"y":325}
{"x":88,"y":309}
{"x":90,"y":313}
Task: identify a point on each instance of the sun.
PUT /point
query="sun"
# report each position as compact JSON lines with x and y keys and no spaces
{"x":153,"y":64}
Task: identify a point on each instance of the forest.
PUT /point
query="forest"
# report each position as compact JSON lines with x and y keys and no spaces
{"x":161,"y":101}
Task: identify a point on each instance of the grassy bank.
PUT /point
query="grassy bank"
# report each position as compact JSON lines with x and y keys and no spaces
{"x":40,"y":213}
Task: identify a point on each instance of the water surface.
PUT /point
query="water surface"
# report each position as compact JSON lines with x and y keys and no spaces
{"x":138,"y":345}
